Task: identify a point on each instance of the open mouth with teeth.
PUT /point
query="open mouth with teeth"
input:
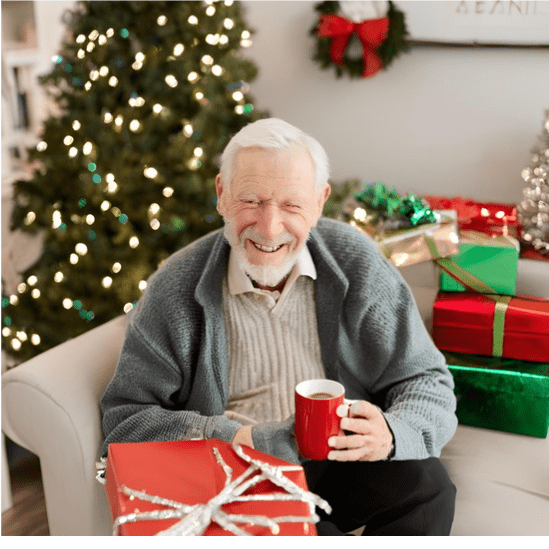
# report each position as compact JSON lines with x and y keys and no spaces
{"x":267,"y":248}
{"x":261,"y":251}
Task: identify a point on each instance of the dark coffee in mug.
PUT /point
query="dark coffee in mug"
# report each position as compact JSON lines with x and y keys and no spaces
{"x":321,"y":395}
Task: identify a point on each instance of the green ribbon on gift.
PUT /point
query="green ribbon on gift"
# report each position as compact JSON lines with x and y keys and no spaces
{"x":459,"y":273}
{"x":380,"y":198}
{"x":415,"y":210}
{"x":386,"y":200}
{"x":502,"y":304}
{"x":475,"y":284}
{"x":464,"y":277}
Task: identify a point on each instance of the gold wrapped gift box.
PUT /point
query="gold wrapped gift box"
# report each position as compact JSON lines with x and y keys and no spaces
{"x":404,"y":247}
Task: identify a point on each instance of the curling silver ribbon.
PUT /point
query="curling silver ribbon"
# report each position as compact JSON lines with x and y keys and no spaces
{"x":194,"y":519}
{"x":101,"y":469}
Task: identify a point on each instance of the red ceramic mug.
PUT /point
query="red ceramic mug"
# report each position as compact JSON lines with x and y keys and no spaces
{"x":316,"y":420}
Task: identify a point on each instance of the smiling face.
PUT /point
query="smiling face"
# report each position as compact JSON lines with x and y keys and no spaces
{"x":269,"y":207}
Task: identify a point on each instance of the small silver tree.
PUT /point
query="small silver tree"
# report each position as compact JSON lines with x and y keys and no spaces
{"x":533,"y":209}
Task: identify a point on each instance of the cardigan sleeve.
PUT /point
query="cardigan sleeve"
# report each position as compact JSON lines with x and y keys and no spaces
{"x":417,"y":387}
{"x":138,"y":406}
{"x":167,"y":384}
{"x":143,"y":401}
{"x":382,"y":351}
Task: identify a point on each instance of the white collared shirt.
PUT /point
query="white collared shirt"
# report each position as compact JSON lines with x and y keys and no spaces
{"x":239,"y":282}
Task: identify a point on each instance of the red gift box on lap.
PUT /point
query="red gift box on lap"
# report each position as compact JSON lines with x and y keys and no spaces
{"x":481,"y":324}
{"x":147,"y":482}
{"x":486,"y":217}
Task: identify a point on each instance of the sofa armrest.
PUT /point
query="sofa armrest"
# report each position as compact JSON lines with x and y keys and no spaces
{"x":50,"y":405}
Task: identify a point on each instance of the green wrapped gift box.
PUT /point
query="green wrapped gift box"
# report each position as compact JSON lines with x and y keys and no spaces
{"x":492,"y":259}
{"x":501,"y":393}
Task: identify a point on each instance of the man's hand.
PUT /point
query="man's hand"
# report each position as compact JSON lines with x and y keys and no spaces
{"x":244,"y":436}
{"x":373,"y":437}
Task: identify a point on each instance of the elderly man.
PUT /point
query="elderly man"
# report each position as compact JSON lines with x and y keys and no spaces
{"x":231,"y":323}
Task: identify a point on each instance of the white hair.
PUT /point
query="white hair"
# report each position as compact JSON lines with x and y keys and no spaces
{"x":273,"y":133}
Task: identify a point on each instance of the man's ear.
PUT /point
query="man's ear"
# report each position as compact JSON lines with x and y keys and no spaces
{"x":324,"y":194}
{"x":219,"y":192}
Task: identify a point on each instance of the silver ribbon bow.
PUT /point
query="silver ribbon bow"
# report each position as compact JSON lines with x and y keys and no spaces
{"x":194,"y":519}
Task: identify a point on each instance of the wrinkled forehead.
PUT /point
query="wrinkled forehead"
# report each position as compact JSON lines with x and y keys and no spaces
{"x":293,"y":164}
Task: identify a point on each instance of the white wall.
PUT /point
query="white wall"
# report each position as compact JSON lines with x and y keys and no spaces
{"x":441,"y":120}
{"x":445,"y":120}
{"x":50,"y":32}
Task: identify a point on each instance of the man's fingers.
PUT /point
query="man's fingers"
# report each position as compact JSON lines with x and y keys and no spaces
{"x":357,"y":408}
{"x":349,"y":442}
{"x":362,"y":408}
{"x":356,"y":425}
{"x":358,"y":454}
{"x":367,"y":433}
{"x":354,"y":448}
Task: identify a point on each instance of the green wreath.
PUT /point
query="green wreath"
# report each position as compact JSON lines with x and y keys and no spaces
{"x":330,"y":51}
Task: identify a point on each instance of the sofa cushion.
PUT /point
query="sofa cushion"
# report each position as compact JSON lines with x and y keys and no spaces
{"x":502,"y":481}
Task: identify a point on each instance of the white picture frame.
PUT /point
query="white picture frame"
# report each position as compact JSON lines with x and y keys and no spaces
{"x":469,"y":22}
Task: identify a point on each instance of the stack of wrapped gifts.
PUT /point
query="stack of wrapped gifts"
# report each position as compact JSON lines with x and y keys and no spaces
{"x":496,"y":342}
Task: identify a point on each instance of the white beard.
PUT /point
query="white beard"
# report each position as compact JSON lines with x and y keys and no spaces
{"x":264,"y":275}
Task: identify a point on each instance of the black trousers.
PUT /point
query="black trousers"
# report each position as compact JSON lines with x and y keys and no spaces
{"x":388,"y":498}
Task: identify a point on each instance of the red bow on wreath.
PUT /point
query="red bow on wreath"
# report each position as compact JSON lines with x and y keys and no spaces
{"x":372,"y":33}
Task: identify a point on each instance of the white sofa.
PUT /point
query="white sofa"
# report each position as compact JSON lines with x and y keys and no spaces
{"x":50,"y":405}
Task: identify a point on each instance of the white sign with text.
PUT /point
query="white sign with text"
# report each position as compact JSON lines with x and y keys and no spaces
{"x":494,"y":22}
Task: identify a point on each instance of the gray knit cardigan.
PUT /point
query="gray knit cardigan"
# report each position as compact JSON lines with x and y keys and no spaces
{"x":171,"y":379}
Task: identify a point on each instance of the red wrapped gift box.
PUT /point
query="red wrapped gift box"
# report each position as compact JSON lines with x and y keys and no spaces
{"x":486,"y":217}
{"x":479,"y":324}
{"x":529,"y":252}
{"x":189,"y":473}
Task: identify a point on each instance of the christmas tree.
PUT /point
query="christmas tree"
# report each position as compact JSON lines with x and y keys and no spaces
{"x":533,"y":210}
{"x":148,"y":95}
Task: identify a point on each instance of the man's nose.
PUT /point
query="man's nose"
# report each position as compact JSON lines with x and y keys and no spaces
{"x":270,"y":222}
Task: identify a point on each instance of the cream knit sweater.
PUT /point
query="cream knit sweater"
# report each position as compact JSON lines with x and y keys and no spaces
{"x":270,"y":351}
